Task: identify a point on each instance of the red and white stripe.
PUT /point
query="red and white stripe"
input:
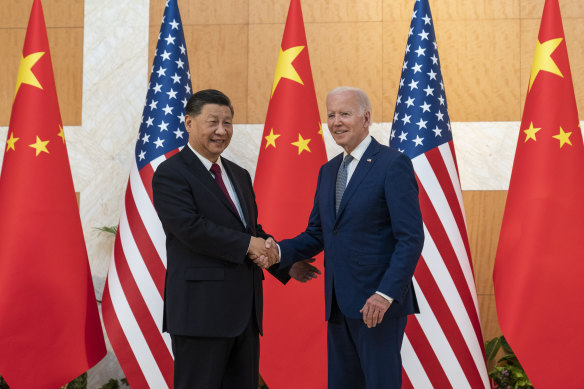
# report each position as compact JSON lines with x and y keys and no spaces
{"x":133,"y":303}
{"x":443,"y":346}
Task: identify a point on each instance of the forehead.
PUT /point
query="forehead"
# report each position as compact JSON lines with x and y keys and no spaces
{"x":215,"y":110}
{"x":342,"y":101}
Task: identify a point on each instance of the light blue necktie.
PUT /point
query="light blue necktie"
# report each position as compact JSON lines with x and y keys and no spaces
{"x":342,"y":181}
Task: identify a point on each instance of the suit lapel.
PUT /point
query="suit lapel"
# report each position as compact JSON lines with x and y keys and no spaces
{"x":239,"y":183}
{"x":196,"y":167}
{"x":363,"y":168}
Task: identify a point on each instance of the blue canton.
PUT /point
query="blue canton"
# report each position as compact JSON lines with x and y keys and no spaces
{"x":162,"y":129}
{"x":420,"y":120}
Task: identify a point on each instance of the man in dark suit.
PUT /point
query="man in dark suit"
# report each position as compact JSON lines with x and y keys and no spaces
{"x":366,"y":217}
{"x":213,"y":291}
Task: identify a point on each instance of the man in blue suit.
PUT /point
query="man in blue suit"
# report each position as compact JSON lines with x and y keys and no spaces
{"x":366,"y":217}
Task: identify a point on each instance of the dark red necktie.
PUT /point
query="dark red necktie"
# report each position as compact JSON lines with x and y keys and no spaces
{"x":216,"y":170}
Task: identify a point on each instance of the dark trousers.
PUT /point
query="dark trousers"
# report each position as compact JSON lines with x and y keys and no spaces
{"x":217,"y":363}
{"x":361,"y":357}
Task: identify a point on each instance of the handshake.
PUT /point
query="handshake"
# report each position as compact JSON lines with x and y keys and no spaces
{"x":264,"y":253}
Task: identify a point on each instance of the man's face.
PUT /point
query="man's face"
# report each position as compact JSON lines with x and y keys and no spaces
{"x":210,"y":131}
{"x":345,"y":122}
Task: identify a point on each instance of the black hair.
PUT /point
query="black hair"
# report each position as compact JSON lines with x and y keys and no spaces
{"x":207,"y":96}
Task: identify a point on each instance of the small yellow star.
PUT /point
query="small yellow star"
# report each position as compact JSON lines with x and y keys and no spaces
{"x":61,"y":133}
{"x":543,"y":61}
{"x":40,"y":146}
{"x":531,"y":131}
{"x":271,"y":139}
{"x":10,"y":142}
{"x":302,"y":144}
{"x":563,"y":137}
{"x":284,"y":68}
{"x":320,"y":130}
{"x":25,"y":74}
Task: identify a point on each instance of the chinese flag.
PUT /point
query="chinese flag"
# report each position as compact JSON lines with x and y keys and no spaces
{"x":293,"y":348}
{"x":539,"y":267}
{"x":50,"y":331}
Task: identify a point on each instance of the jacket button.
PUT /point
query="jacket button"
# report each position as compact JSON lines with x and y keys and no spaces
{"x":335,"y":232}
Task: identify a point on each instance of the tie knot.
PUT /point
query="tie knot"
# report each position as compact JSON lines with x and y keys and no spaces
{"x":347,"y":160}
{"x":216,"y":170}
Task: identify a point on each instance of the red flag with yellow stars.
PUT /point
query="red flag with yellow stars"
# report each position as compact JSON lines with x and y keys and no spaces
{"x":50,"y":331}
{"x":291,"y":154}
{"x":539,"y":267}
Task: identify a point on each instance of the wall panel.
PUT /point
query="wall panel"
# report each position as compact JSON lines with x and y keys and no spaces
{"x":217,"y":12}
{"x":534,"y":8}
{"x":275,"y":11}
{"x":455,"y":9}
{"x":58,"y":13}
{"x":484,"y":214}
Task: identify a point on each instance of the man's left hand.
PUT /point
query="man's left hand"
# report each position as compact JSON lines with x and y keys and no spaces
{"x":303,"y":271}
{"x":374,"y":309}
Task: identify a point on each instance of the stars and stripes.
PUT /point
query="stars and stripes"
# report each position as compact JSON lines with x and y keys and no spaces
{"x":134,"y":291}
{"x":443,"y":344}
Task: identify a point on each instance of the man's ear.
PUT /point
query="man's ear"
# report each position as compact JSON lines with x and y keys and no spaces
{"x":188,"y":123}
{"x":367,"y":117}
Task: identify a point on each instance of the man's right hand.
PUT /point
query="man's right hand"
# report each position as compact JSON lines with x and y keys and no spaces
{"x":264,"y":253}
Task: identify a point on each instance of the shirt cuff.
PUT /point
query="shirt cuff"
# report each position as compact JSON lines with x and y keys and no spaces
{"x":385,"y":296}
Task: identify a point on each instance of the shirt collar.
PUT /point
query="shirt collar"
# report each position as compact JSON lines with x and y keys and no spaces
{"x":357,"y":154}
{"x":204,"y":160}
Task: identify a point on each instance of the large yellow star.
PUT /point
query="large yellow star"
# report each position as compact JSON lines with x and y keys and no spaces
{"x":563,"y":137}
{"x":25,"y":74}
{"x":40,"y":146}
{"x":531,"y":131}
{"x":10,"y":142}
{"x":302,"y":144}
{"x":543,"y":61}
{"x":61,"y":133}
{"x":284,"y":68}
{"x":271,"y":139}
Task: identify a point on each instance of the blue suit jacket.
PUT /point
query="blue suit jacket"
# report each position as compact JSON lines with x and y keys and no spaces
{"x":374,"y":242}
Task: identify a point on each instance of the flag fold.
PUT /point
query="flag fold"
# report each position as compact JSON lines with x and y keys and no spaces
{"x":291,"y":153}
{"x":538,"y":267}
{"x":443,"y":345}
{"x":133,"y":298}
{"x":50,"y":331}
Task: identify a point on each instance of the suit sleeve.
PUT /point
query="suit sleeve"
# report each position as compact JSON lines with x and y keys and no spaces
{"x":401,"y":193}
{"x":180,"y":217}
{"x":310,"y":242}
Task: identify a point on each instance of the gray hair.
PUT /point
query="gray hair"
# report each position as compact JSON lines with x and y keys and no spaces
{"x":362,"y":99}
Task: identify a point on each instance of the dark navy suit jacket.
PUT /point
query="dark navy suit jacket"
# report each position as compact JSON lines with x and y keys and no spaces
{"x":374,"y":242}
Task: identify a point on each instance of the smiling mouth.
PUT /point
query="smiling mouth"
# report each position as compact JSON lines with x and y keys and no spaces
{"x":340,"y":132}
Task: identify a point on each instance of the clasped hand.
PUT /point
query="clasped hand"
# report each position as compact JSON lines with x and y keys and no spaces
{"x":264,"y":253}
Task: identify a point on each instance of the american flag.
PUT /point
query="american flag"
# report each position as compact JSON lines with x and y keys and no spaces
{"x":443,"y":346}
{"x":134,"y":291}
